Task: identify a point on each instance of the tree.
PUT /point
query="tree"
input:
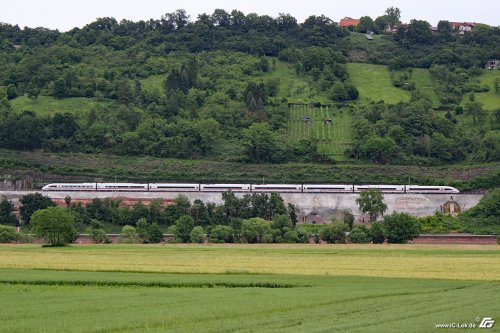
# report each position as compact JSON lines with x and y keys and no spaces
{"x":366,"y":24}
{"x":334,"y":232}
{"x":393,"y":15}
{"x":401,"y":227}
{"x":55,"y":225}
{"x":197,"y":235}
{"x":377,"y":233}
{"x":371,"y":202}
{"x":8,"y":234}
{"x":183,"y":227}
{"x":7,"y":212}
{"x":261,"y":144}
{"x":475,"y":109}
{"x":348,"y":218}
{"x":256,"y":230}
{"x":129,"y":234}
{"x":359,"y":235}
{"x":222,"y":234}
{"x":30,"y":203}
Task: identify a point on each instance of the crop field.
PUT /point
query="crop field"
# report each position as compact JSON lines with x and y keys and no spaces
{"x":374,"y":83}
{"x":332,"y":139}
{"x":236,"y":288}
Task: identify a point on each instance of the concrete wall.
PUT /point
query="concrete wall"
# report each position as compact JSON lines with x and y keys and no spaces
{"x":312,"y":207}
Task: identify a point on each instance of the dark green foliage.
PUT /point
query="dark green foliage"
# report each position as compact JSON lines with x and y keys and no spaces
{"x":148,"y":233}
{"x":56,"y":225}
{"x":184,"y":225}
{"x":360,"y":235}
{"x":400,"y":227}
{"x":348,"y":218}
{"x":334,"y":232}
{"x":439,"y":223}
{"x":7,"y":212}
{"x":485,"y":217}
{"x":30,"y":203}
{"x":377,"y":233}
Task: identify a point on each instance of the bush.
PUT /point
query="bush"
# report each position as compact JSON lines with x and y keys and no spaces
{"x":257,"y":230}
{"x":377,"y":233}
{"x":222,"y":234}
{"x":8,"y":234}
{"x":148,"y":233}
{"x":439,"y":223}
{"x":335,"y":232}
{"x":303,"y":235}
{"x":55,"y":225}
{"x":359,"y":235}
{"x":401,"y":227}
{"x":98,"y":236}
{"x":129,"y":235}
{"x":197,"y":235}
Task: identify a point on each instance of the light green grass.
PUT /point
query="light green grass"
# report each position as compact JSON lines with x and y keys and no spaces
{"x":303,"y":299}
{"x":333,"y":139}
{"x":374,"y":83}
{"x":490,"y":99}
{"x":425,"y":84}
{"x":45,"y":105}
{"x":410,"y":261}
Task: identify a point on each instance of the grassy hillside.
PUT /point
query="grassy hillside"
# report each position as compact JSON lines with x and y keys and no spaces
{"x":46,"y":105}
{"x":490,"y":99}
{"x":374,"y":83}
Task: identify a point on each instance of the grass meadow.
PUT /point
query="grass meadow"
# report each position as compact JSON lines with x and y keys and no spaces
{"x":374,"y":83}
{"x":242,"y":288}
{"x":490,"y":99}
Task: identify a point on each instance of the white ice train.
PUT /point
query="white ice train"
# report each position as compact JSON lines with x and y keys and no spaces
{"x":193,"y":187}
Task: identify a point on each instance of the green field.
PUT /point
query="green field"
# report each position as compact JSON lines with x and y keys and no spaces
{"x":333,"y":139}
{"x":374,"y":83}
{"x":44,"y":105}
{"x":490,"y":99}
{"x":241,"y":288}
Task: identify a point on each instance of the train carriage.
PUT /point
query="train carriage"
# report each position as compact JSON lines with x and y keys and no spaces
{"x":277,"y":188}
{"x":173,"y":187}
{"x":224,"y":187}
{"x":322,"y":188}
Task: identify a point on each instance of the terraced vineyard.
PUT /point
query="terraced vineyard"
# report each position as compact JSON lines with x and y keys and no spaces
{"x":333,"y":139}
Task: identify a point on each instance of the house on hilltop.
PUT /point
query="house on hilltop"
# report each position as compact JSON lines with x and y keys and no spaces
{"x":347,"y":22}
{"x":463,"y":26}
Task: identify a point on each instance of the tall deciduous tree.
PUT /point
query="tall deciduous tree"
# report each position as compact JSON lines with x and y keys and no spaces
{"x":55,"y":225}
{"x":371,"y":202}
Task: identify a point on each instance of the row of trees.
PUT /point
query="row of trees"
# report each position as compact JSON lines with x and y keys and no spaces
{"x":257,"y":219}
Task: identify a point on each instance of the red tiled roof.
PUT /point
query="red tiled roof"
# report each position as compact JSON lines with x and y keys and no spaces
{"x":347,"y":21}
{"x":457,"y":24}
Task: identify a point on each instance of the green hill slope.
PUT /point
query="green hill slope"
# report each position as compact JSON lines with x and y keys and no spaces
{"x":374,"y":83}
